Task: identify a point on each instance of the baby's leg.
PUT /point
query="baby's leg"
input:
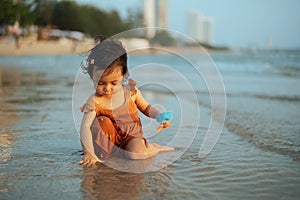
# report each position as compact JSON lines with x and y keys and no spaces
{"x":104,"y":136}
{"x":138,"y":149}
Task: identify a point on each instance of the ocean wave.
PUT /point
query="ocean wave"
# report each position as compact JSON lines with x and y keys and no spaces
{"x":279,"y":98}
{"x":279,"y":138}
{"x":286,"y":63}
{"x":288,"y":98}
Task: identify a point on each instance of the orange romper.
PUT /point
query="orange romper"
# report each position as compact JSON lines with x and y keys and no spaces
{"x":113,"y":129}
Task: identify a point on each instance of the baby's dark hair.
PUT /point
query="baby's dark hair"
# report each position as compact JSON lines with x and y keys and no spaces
{"x":107,"y":53}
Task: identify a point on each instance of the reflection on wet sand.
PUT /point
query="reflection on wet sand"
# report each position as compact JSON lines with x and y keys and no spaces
{"x":15,"y":85}
{"x":111,"y":184}
{"x":12,"y":79}
{"x":132,"y":166}
{"x":31,"y":131}
{"x":9,"y":80}
{"x":6,"y":139}
{"x":18,"y":87}
{"x":104,"y":182}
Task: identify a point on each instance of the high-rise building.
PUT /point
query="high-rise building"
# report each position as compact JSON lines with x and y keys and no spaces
{"x":199,"y":27}
{"x":208,"y":30}
{"x":149,"y":17}
{"x":161,"y":14}
{"x":193,"y":26}
{"x":155,"y":15}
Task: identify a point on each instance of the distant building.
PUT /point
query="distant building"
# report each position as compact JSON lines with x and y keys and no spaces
{"x":269,"y":43}
{"x":161,"y":13}
{"x":155,"y":15}
{"x":200,"y":27}
{"x":149,"y":17}
{"x":208,"y":30}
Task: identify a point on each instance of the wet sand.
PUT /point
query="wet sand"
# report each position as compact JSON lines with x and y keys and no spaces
{"x":43,"y":147}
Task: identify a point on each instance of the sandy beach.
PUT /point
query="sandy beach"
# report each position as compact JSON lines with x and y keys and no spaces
{"x":64,"y":46}
{"x":31,"y":46}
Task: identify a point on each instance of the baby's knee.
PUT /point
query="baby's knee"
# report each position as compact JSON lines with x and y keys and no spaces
{"x":136,"y":145}
{"x":137,"y":149}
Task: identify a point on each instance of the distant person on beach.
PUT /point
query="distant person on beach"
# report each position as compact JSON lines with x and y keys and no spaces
{"x":111,"y":124}
{"x":16,"y":32}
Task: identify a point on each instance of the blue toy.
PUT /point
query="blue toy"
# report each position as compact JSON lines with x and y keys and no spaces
{"x":164,"y":117}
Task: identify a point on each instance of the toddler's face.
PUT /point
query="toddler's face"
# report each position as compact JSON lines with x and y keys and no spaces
{"x":109,"y":83}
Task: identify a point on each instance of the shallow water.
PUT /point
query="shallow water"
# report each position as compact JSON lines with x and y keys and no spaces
{"x":40,"y":144}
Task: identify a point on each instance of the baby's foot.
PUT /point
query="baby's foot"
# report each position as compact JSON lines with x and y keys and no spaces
{"x":166,"y":148}
{"x":163,"y":148}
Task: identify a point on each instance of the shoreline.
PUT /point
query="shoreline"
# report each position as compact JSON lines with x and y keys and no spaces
{"x":30,"y":46}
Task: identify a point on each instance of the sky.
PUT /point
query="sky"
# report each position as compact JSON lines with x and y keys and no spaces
{"x":237,"y":23}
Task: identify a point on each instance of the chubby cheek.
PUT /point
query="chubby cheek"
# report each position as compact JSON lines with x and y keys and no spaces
{"x":99,"y":89}
{"x":116,"y":88}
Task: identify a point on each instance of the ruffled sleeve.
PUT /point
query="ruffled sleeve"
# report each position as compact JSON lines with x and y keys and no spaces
{"x":89,"y":106}
{"x":132,"y":86}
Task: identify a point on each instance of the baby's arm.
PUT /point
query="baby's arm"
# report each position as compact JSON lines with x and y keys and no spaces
{"x":145,"y":107}
{"x":89,"y":157}
{"x":150,"y":110}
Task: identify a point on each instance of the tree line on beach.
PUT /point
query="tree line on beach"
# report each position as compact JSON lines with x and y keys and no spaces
{"x":71,"y":16}
{"x":64,"y":15}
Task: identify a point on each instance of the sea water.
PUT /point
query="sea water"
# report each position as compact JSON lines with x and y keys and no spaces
{"x":256,"y":156}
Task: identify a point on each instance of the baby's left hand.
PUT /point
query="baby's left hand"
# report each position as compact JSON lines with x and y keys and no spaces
{"x":163,"y":125}
{"x":164,"y":119}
